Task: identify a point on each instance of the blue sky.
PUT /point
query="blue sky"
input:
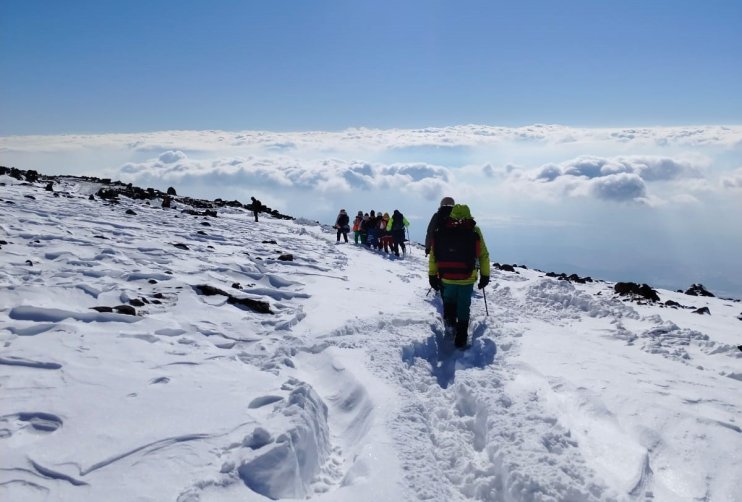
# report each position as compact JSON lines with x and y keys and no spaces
{"x":104,"y":66}
{"x":316,"y":105}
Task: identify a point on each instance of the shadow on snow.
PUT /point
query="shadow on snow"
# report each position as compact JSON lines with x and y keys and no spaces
{"x":445,"y":359}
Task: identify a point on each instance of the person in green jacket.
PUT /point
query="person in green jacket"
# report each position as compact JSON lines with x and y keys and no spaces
{"x":456,"y":248}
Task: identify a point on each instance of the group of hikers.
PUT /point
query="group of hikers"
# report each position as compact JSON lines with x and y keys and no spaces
{"x":456,"y":251}
{"x":375,"y":230}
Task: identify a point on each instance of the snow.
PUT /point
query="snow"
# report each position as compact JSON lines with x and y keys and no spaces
{"x":348,"y":389}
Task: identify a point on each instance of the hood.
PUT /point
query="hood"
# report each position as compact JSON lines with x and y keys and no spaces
{"x":461,"y":212}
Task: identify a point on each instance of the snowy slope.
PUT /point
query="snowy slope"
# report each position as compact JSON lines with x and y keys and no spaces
{"x":347,"y":390}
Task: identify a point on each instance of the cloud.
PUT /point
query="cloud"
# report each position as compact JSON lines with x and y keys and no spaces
{"x":619,"y":187}
{"x":733,"y":181}
{"x":649,"y":168}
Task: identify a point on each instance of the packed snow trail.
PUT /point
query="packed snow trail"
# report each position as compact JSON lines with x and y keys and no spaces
{"x":348,"y":389}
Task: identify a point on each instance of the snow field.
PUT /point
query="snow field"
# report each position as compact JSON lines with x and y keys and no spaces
{"x":348,"y":389}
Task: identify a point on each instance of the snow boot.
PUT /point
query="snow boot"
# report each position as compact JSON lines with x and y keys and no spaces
{"x":449,"y":318}
{"x":462,"y":332}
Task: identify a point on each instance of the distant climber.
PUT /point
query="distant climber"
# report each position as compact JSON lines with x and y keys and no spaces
{"x":256,"y":206}
{"x":396,"y":226}
{"x":342,"y":225}
{"x":455,"y":249}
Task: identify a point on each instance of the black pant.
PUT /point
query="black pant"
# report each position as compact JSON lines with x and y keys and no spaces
{"x":256,"y":215}
{"x":344,"y":232}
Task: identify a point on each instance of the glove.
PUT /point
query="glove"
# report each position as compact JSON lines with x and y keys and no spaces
{"x":483,"y":281}
{"x":435,"y":283}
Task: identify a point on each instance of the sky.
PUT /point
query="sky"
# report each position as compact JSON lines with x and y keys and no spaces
{"x":313,"y":106}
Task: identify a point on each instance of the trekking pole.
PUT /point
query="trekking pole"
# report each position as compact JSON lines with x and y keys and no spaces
{"x":486,"y":308}
{"x":408,"y":240}
{"x":429,"y":290}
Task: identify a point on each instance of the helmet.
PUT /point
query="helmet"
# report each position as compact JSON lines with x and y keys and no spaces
{"x":447,"y":201}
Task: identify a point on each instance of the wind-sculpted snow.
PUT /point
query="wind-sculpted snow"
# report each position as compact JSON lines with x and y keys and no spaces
{"x":132,"y":369}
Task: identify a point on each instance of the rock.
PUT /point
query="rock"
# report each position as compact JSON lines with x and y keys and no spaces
{"x":136,"y":303}
{"x":30,"y":197}
{"x":505,"y":268}
{"x":29,"y":263}
{"x":286,"y":257}
{"x":152,"y":281}
{"x":125,"y":309}
{"x":49,"y":186}
{"x":236,"y":285}
{"x":180,"y":245}
{"x":131,"y":212}
{"x":673,"y":304}
{"x":102,"y":309}
{"x":171,"y":191}
{"x":258,"y":306}
{"x":269,"y":242}
{"x":702,"y":311}
{"x":205,"y":223}
{"x":32,"y":176}
{"x":633,"y":289}
{"x":92,"y":197}
{"x":201,"y":232}
{"x":159,"y":296}
{"x":698,"y":290}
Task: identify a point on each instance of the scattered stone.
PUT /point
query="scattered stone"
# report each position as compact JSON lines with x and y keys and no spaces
{"x":206,"y":223}
{"x":2,"y":243}
{"x":152,"y":281}
{"x":157,"y":302}
{"x":100,"y":237}
{"x":30,"y":197}
{"x":32,"y":176}
{"x":180,"y":245}
{"x":136,"y":303}
{"x":201,"y":232}
{"x":102,"y":309}
{"x":702,"y":311}
{"x":269,"y":242}
{"x":698,"y":290}
{"x":131,"y":211}
{"x":673,"y":304}
{"x":236,"y":285}
{"x":171,"y":191}
{"x":633,"y":289}
{"x":92,"y":197}
{"x":159,"y":296}
{"x":29,"y":263}
{"x":286,"y":257}
{"x":258,"y":306}
{"x":125,"y":309}
{"x":504,"y":268}
{"x":49,"y":186}
{"x":207,"y":212}
{"x":144,"y":300}
{"x":739,"y":317}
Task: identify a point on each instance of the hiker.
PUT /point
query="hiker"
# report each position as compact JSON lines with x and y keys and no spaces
{"x":396,"y":227}
{"x":443,"y":211}
{"x":256,"y":206}
{"x":357,"y":226}
{"x":364,"y":229}
{"x":385,"y":237}
{"x":372,"y":231}
{"x":166,"y":201}
{"x":341,"y":223}
{"x":455,"y":249}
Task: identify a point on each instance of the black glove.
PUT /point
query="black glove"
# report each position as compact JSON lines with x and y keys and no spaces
{"x":435,"y":283}
{"x":427,"y":251}
{"x":483,"y":281}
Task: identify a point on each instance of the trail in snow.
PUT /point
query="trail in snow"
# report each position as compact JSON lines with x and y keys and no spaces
{"x":348,"y":389}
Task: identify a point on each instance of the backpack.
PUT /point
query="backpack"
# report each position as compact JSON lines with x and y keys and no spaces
{"x":455,"y":248}
{"x":397,"y":221}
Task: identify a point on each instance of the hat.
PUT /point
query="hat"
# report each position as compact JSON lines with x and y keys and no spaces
{"x":460,"y":212}
{"x":447,"y":201}
{"x":386,"y":216}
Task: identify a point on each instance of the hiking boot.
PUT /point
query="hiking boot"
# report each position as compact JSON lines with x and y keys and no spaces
{"x":449,"y":318}
{"x":462,"y":333}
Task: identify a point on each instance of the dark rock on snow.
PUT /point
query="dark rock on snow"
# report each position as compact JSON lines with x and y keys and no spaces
{"x":702,"y":310}
{"x":102,"y":309}
{"x":258,"y":306}
{"x":131,"y":212}
{"x":633,"y":289}
{"x":698,"y":290}
{"x":171,"y":191}
{"x":180,"y":245}
{"x":125,"y":309}
{"x":136,"y":303}
{"x":286,"y":257}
